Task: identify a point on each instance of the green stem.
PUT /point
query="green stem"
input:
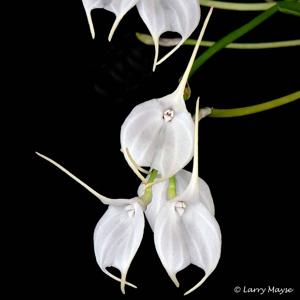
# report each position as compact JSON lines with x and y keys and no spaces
{"x":147,"y":196}
{"x":266,"y":45}
{"x":232,"y":36}
{"x":172,"y":188}
{"x":248,"y":110}
{"x":147,"y":40}
{"x":237,"y":6}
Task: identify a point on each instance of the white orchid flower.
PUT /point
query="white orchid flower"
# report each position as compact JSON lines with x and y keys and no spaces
{"x":118,"y":233}
{"x":159,"y":133}
{"x":185,"y":230}
{"x":160,"y":16}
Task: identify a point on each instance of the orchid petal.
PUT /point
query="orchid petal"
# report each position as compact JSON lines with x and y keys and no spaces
{"x":103,"y":199}
{"x":117,"y":238}
{"x":181,"y":16}
{"x":119,"y":8}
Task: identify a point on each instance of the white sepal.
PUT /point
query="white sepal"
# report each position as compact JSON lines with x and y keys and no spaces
{"x":118,"y":7}
{"x":117,"y":238}
{"x":187,"y":234}
{"x":160,"y":16}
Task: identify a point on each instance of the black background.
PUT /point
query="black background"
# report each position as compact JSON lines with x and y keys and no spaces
{"x":81,"y":90}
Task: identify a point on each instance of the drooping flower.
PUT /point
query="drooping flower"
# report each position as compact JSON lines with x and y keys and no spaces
{"x":160,"y":16}
{"x":118,"y":233}
{"x":185,"y":230}
{"x":159,"y":133}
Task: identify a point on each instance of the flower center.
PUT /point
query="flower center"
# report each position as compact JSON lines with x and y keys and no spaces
{"x":168,"y":115}
{"x":179,"y":207}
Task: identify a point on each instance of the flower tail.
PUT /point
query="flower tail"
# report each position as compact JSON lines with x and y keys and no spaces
{"x":118,"y":279}
{"x":185,"y":76}
{"x":174,"y":279}
{"x":170,"y":52}
{"x":102,"y":198}
{"x":114,"y":26}
{"x":197,"y":285}
{"x":156,"y":48}
{"x":123,"y":281}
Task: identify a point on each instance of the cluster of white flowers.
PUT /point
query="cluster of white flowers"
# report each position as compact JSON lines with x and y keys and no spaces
{"x":159,"y":134}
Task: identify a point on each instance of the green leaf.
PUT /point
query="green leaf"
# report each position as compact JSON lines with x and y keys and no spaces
{"x":289,"y":7}
{"x":232,"y":36}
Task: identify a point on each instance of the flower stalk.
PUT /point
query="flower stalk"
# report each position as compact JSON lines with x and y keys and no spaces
{"x":168,"y":42}
{"x":237,"y":6}
{"x":253,"y":109}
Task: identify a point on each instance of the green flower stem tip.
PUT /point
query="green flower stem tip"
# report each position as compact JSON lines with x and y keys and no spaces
{"x":249,"y":110}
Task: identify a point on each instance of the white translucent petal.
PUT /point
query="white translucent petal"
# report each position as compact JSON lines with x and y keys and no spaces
{"x":140,"y":131}
{"x":170,"y":241}
{"x":204,"y":235}
{"x":181,"y":16}
{"x":153,"y":142}
{"x":119,"y":8}
{"x":117,"y":238}
{"x":176,"y":145}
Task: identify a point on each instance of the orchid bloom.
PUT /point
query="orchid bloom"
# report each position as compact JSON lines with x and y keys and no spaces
{"x":159,"y":133}
{"x":160,"y":16}
{"x":118,"y":233}
{"x":185,"y":230}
